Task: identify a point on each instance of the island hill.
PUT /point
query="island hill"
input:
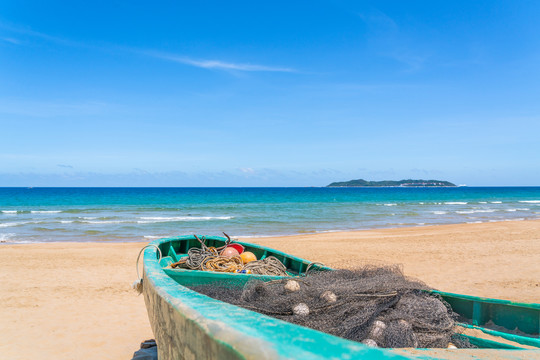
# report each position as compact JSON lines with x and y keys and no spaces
{"x":392,"y":183}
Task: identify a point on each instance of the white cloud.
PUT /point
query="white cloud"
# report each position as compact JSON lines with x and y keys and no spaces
{"x":215,"y":64}
{"x":247,"y":170}
{"x":200,"y":63}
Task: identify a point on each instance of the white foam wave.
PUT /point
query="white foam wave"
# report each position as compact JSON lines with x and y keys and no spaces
{"x":152,"y":237}
{"x":482,"y":202}
{"x":392,"y":204}
{"x":276,"y":235}
{"x":20,"y":241}
{"x":456,"y":203}
{"x":182,"y":218}
{"x":530,"y":201}
{"x":440,"y":212}
{"x":475,"y":211}
{"x":9,"y":211}
{"x":496,"y":202}
{"x":108,"y":222}
{"x":66,"y":221}
{"x":45,"y":211}
{"x":10,"y":224}
{"x":474,"y":222}
{"x":5,"y":237}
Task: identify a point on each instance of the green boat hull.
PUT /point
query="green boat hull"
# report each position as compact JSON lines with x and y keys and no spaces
{"x":189,"y":325}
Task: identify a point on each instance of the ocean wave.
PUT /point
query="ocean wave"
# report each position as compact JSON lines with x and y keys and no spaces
{"x":517,"y":209}
{"x":11,"y":224}
{"x":530,"y":201}
{"x":152,"y":237}
{"x":391,"y":204}
{"x":45,"y":211}
{"x":41,"y":228}
{"x":106,"y":222}
{"x":456,"y":203}
{"x":482,"y":202}
{"x":154,"y":219}
{"x":5,"y":237}
{"x":440,"y":212}
{"x":475,"y":211}
{"x":496,"y":202}
{"x":9,"y":212}
{"x":474,"y":222}
{"x":9,"y":241}
{"x":150,"y":219}
{"x":78,"y":211}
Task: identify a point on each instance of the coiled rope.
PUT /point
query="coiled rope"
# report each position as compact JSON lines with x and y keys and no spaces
{"x":208,"y":259}
{"x":222,"y":264}
{"x":267,"y":266}
{"x":195,"y":258}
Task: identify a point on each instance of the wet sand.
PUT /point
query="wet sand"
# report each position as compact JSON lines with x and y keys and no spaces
{"x":74,"y":300}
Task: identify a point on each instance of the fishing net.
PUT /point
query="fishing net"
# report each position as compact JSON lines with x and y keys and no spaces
{"x":378,"y":306}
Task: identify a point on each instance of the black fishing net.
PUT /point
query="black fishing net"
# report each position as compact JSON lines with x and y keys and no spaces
{"x":378,"y":306}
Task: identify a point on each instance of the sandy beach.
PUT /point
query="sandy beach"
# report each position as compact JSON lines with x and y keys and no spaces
{"x":74,"y":300}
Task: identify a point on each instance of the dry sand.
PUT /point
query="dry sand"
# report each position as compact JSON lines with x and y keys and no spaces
{"x":74,"y":300}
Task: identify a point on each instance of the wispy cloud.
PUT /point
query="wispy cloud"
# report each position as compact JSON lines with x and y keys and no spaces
{"x":65,"y":166}
{"x":214,"y":64}
{"x":180,"y":59}
{"x":247,"y":170}
{"x":10,"y":40}
{"x":36,"y":34}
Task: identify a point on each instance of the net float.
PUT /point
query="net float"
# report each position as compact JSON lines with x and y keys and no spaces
{"x":229,"y":252}
{"x":238,"y":247}
{"x":248,"y":256}
{"x":301,"y":309}
{"x":329,"y":296}
{"x":292,"y":285}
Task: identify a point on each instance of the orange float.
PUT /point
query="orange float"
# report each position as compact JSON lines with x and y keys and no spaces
{"x":248,"y":256}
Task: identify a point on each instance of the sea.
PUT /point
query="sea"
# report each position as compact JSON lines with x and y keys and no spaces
{"x":39,"y":215}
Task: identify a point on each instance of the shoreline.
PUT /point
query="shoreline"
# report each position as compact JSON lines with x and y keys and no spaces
{"x":74,"y":299}
{"x":262,"y":237}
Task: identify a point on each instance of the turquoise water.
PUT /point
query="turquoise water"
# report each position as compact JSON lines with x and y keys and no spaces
{"x":135,"y":214}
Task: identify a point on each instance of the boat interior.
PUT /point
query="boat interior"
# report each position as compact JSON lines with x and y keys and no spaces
{"x":485,"y":323}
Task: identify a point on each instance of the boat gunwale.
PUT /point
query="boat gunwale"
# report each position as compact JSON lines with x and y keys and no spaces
{"x":151,"y":262}
{"x":241,"y":328}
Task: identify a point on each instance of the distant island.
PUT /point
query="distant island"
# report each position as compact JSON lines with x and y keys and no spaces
{"x":392,"y":183}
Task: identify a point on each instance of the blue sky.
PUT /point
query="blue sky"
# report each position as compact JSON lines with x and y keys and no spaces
{"x":110,"y":93}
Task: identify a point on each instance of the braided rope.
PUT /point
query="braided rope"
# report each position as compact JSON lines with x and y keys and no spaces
{"x":208,"y":259}
{"x":195,"y":258}
{"x":222,"y":264}
{"x":268,"y":266}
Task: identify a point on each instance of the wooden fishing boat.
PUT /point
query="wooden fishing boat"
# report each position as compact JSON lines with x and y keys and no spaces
{"x":189,"y":325}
